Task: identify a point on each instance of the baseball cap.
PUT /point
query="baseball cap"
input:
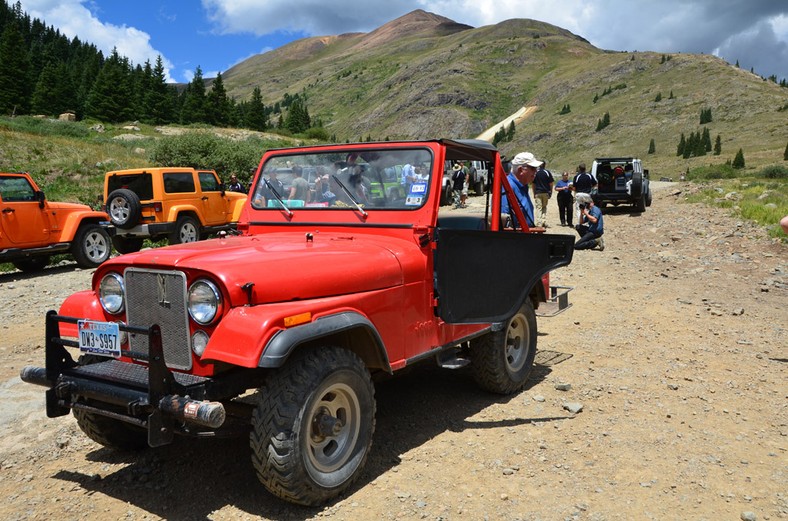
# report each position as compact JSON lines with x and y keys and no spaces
{"x":526,"y":158}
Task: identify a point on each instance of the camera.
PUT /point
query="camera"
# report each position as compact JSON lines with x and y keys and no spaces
{"x":582,"y":206}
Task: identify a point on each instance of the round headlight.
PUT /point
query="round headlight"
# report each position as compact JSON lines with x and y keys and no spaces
{"x":199,"y":341}
{"x":111,"y":292}
{"x":204,"y":301}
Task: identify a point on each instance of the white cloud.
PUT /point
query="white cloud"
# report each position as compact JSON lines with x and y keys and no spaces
{"x":73,"y":18}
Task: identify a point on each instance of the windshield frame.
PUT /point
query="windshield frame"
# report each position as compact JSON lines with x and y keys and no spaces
{"x":348,"y":178}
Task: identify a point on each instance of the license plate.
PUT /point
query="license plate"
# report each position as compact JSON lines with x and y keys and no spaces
{"x":99,"y":338}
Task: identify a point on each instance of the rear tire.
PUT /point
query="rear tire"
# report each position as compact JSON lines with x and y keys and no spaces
{"x":92,"y":246}
{"x":446,"y":196}
{"x":187,"y":229}
{"x":502,"y":360}
{"x":313,"y":424}
{"x":636,"y":189}
{"x":479,"y":187}
{"x":640,"y":204}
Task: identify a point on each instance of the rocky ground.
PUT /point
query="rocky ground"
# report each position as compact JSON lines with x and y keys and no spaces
{"x":660,"y":394}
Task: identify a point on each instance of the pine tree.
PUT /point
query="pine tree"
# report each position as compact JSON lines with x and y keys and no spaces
{"x":700,"y":145}
{"x":297,"y":120}
{"x":718,"y":146}
{"x":659,"y":97}
{"x":596,"y":98}
{"x":110,"y":97}
{"x":255,"y":117}
{"x":510,"y":131}
{"x":158,"y":101}
{"x":606,"y":119}
{"x":682,"y":145}
{"x":689,"y":147}
{"x":13,"y":66}
{"x":738,"y":161}
{"x":43,"y":100}
{"x":671,"y":95}
{"x":499,"y":136}
{"x":217,"y":103}
{"x":785,"y":154}
{"x":706,"y":140}
{"x":652,"y":147}
{"x":194,"y":101}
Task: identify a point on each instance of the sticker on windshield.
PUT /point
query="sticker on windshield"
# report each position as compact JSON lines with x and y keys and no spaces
{"x":413,"y":200}
{"x":418,"y":188}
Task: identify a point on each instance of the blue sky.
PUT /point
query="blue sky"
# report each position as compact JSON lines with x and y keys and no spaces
{"x":217,"y":34}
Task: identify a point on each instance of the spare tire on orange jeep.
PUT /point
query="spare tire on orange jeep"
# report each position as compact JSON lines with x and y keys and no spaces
{"x":124,"y":208}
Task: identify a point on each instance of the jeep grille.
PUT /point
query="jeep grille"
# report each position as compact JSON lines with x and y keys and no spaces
{"x":159,"y":297}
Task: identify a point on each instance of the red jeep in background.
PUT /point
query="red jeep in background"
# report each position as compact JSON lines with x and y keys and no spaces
{"x":305,"y":307}
{"x":32,"y":229}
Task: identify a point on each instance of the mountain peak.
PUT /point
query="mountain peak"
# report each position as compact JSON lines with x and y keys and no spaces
{"x":415,"y":23}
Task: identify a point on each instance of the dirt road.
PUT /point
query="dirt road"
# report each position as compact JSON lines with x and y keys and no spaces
{"x":674,"y":350}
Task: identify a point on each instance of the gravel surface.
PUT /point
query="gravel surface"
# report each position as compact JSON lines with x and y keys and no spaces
{"x":660,"y":394}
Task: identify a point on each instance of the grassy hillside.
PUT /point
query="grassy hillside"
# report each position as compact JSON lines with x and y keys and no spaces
{"x":440,"y":79}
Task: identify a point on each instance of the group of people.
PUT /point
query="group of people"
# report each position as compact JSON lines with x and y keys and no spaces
{"x":529,"y":171}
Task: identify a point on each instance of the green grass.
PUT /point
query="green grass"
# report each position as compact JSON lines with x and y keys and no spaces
{"x":761,"y":197}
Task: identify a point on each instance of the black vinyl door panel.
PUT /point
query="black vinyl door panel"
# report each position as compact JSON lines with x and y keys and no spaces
{"x":485,"y":276}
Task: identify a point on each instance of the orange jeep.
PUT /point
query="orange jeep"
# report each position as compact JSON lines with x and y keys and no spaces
{"x":32,"y":228}
{"x":178,"y":203}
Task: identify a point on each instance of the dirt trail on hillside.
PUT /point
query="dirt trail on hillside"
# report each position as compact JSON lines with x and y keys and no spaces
{"x":674,"y":350}
{"x":518,"y":117}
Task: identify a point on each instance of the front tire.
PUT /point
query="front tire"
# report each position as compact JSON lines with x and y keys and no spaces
{"x":111,"y":433}
{"x":502,"y":360}
{"x":313,"y":424}
{"x":92,"y":246}
{"x":187,"y":229}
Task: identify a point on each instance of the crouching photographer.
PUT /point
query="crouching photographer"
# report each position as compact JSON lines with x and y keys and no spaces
{"x":590,"y":226}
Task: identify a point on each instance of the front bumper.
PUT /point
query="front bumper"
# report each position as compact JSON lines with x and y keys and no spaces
{"x":149,"y":396}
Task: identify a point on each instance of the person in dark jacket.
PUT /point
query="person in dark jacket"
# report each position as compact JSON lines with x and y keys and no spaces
{"x":543,"y":191}
{"x":563,"y":190}
{"x":583,"y":183}
{"x":235,"y":185}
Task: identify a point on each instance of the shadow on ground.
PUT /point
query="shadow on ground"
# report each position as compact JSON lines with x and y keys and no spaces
{"x":191,"y":479}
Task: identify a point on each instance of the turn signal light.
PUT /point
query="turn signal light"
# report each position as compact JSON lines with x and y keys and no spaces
{"x":301,"y":318}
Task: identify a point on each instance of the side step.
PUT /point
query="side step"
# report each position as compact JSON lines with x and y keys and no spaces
{"x":557,"y":303}
{"x":448,"y":359}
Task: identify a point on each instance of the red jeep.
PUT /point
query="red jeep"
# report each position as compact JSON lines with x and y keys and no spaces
{"x":305,"y":307}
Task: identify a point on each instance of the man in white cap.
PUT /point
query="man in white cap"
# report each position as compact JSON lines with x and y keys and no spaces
{"x":524,"y":167}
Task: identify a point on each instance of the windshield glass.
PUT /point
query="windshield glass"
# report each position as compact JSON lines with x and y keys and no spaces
{"x":374,"y":179}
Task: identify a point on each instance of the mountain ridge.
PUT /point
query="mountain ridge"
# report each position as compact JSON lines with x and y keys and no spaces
{"x":423,"y":76}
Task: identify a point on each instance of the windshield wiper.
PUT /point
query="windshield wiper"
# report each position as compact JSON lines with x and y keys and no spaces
{"x":271,"y":189}
{"x":350,"y":195}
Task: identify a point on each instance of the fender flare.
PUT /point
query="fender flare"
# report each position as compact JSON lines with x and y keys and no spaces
{"x":368,"y":345}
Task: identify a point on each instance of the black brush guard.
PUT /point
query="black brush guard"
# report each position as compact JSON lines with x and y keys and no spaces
{"x":152,"y":397}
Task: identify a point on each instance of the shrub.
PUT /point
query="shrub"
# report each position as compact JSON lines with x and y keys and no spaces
{"x":775,"y":172}
{"x":203,"y":150}
{"x":712,"y":172}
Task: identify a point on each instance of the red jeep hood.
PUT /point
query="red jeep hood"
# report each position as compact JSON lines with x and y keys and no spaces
{"x":284,"y":266}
